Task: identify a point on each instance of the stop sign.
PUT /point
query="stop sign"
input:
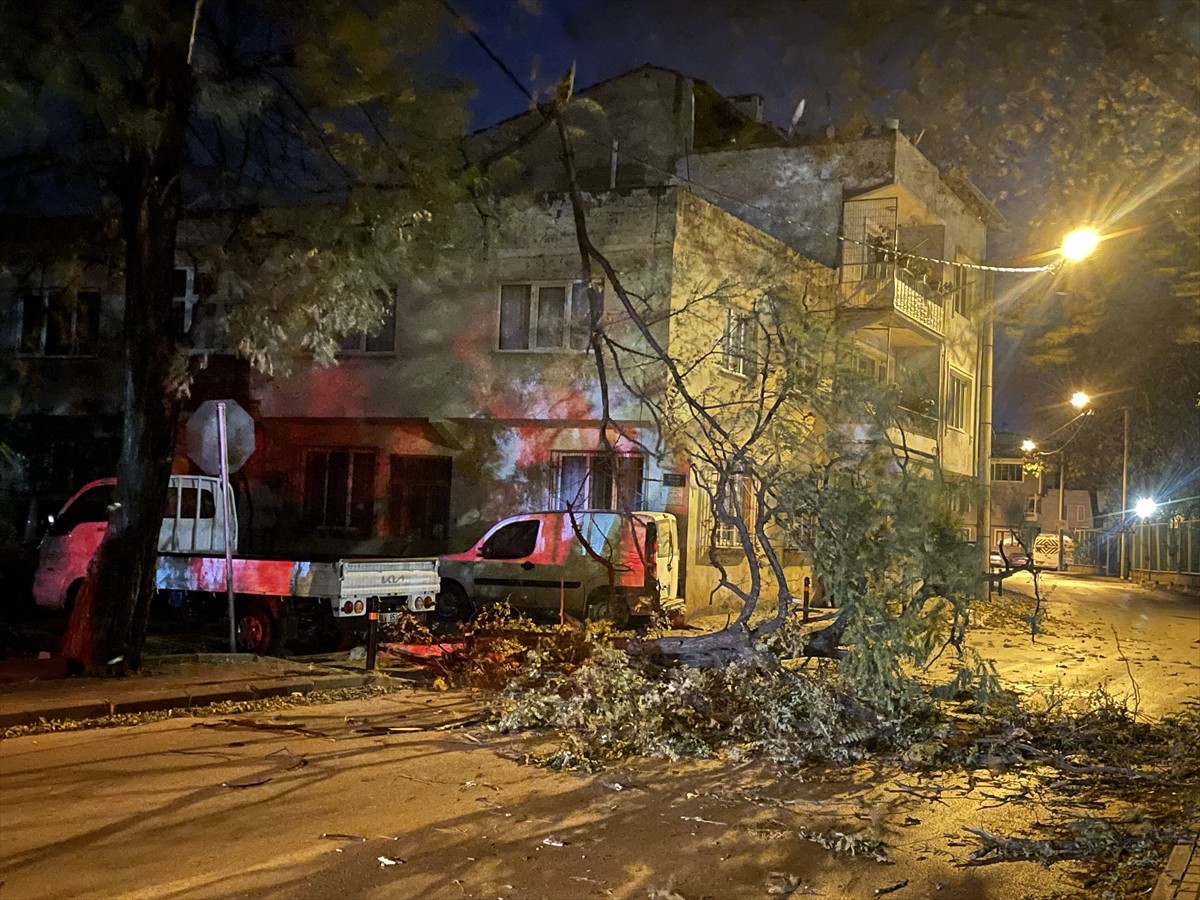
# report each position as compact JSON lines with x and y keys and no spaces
{"x":203,"y":438}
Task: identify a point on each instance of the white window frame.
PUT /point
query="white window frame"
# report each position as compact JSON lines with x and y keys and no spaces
{"x":575,"y":338}
{"x":580,"y":496}
{"x":185,"y":303}
{"x":739,"y":343}
{"x":1007,"y":468}
{"x":740,"y":497}
{"x":862,"y":359}
{"x":963,"y":300}
{"x":47,"y":296}
{"x":958,"y":400}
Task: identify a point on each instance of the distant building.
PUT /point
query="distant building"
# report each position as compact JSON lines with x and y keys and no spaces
{"x":1026,"y":502}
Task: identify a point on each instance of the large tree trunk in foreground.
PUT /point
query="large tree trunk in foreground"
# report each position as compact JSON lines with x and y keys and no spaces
{"x":122,"y":585}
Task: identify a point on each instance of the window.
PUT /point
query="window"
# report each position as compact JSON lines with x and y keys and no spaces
{"x":1008,"y":472}
{"x":738,"y":343}
{"x":183,"y":299}
{"x":590,"y":481}
{"x":93,"y":506}
{"x":1033,"y":508}
{"x":60,"y":323}
{"x":869,"y":367}
{"x":544,"y":317}
{"x":419,"y":501}
{"x":515,"y":540}
{"x":801,"y":531}
{"x":964,"y":286}
{"x":339,"y":489}
{"x":738,"y":504}
{"x":379,"y":340}
{"x":958,"y":397}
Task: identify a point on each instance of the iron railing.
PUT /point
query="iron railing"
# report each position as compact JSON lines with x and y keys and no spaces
{"x":1154,"y":547}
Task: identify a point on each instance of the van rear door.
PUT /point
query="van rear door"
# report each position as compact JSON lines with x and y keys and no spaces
{"x":667,"y":555}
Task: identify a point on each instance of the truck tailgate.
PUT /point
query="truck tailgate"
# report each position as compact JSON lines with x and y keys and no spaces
{"x":383,"y":578}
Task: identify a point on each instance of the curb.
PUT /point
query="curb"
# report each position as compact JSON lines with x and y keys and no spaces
{"x":151,"y":701}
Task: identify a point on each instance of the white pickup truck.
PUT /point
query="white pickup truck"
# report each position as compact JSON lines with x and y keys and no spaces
{"x":276,"y":600}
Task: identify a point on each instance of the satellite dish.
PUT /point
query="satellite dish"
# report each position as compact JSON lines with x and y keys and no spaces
{"x":796,"y":116}
{"x":203,"y":438}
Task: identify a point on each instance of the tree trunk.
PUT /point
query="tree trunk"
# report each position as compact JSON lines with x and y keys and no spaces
{"x":150,"y":204}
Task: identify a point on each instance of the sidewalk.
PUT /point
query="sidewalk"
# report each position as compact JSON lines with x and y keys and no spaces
{"x":30,"y":693}
{"x":1180,"y":879}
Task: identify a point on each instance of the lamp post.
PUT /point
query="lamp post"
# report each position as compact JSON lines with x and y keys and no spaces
{"x":1077,"y":245}
{"x":1062,"y":522}
{"x":1082,"y":401}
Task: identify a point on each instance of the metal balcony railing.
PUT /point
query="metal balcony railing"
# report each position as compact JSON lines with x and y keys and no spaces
{"x":867,"y":284}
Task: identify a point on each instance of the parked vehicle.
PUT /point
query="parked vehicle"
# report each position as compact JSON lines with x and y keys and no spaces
{"x":1012,"y":551}
{"x":595,"y":564}
{"x":1045,"y":550}
{"x":276,"y":599}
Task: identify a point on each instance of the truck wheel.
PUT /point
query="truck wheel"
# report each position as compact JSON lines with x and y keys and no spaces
{"x":604,"y":606}
{"x":256,"y":629}
{"x":453,"y":604}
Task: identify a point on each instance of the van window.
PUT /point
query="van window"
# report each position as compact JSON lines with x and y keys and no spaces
{"x":516,"y":540}
{"x":93,"y":506}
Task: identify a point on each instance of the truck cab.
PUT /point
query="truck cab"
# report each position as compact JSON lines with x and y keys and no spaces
{"x":192,"y":523}
{"x":596,"y":564}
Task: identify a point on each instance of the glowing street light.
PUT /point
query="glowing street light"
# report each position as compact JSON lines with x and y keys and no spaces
{"x":1079,"y":400}
{"x":1145,"y":508}
{"x":1079,"y":244}
{"x":1028,"y":446}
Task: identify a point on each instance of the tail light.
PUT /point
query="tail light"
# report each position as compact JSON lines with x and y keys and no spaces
{"x":359,"y":606}
{"x":348,"y":607}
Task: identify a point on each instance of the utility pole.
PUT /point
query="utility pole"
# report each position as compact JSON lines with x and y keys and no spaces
{"x":1124,"y":573}
{"x":1062,"y":480}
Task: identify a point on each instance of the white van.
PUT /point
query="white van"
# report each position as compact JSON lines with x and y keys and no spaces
{"x":544,"y":562}
{"x":1045,"y":550}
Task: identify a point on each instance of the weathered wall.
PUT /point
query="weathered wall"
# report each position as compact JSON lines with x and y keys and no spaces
{"x":501,"y":415}
{"x":649,"y":111}
{"x":723,"y":262}
{"x":447,"y":363}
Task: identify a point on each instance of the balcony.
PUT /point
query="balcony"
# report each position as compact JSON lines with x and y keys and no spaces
{"x":881,"y":293}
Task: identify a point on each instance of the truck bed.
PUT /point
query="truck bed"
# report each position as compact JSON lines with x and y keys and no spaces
{"x":341,"y":579}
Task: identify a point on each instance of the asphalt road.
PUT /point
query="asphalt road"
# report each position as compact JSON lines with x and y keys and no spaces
{"x":304,"y":803}
{"x":1140,"y":645}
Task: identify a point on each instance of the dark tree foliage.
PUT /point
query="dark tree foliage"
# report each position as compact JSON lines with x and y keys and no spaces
{"x":139,"y":111}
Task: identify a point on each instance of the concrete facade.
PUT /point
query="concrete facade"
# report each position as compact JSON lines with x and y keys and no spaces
{"x":478,"y":402}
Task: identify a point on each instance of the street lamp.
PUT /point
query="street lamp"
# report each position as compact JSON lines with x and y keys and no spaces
{"x":1077,"y":245}
{"x":1145,"y":508}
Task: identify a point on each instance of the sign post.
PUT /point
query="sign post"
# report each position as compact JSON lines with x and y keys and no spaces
{"x":220,"y":438}
{"x":224,"y":456}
